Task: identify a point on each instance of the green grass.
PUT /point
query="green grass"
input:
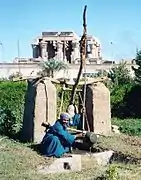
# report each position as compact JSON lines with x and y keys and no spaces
{"x":19,"y":162}
{"x":128,"y":126}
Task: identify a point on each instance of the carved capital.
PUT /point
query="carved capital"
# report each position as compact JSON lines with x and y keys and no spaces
{"x":43,"y":45}
{"x":34,"y":46}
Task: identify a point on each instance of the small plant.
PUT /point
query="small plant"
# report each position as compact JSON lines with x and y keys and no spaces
{"x":111,"y":173}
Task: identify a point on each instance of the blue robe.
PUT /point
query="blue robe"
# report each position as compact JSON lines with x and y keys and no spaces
{"x":76,"y":121}
{"x":57,"y":140}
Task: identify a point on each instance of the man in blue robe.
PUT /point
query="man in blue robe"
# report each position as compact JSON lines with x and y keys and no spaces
{"x":57,"y":139}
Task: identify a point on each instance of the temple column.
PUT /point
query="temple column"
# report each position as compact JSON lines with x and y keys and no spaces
{"x":99,"y":51}
{"x":59,"y":50}
{"x":44,"y":53}
{"x":93,"y":50}
{"x":35,"y":50}
{"x":76,"y":52}
{"x":64,"y":50}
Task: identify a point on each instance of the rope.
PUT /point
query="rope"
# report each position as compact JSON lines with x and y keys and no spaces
{"x":81,"y":100}
{"x":62,"y":95}
{"x":84,"y":97}
{"x":85,"y":115}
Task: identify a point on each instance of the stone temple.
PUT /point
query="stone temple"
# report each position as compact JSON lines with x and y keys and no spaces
{"x":65,"y":46}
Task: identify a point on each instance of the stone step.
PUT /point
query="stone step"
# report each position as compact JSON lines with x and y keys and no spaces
{"x":62,"y":165}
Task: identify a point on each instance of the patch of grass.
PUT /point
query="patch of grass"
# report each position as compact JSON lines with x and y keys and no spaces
{"x":127,"y":145}
{"x":128,"y":126}
{"x":119,"y":171}
{"x":19,"y":162}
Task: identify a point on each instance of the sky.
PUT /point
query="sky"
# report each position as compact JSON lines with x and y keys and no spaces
{"x":116,"y":21}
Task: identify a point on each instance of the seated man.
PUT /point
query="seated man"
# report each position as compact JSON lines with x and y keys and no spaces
{"x":57,"y":139}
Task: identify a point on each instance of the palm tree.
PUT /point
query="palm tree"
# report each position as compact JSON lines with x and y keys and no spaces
{"x":15,"y":75}
{"x":52,"y":65}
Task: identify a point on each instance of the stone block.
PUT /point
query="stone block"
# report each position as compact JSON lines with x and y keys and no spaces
{"x":102,"y":158}
{"x":98,"y":109}
{"x":40,"y":106}
{"x":63,"y":165}
{"x":115,"y":129}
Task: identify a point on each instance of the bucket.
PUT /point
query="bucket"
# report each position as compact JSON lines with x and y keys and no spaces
{"x":91,"y":136}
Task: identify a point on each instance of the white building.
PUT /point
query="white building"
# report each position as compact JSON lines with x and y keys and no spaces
{"x":65,"y":46}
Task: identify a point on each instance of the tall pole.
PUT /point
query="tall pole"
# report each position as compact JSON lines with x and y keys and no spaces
{"x":112,"y":54}
{"x":18,"y":49}
{"x":85,"y":79}
{"x":2,"y":51}
{"x":82,"y":56}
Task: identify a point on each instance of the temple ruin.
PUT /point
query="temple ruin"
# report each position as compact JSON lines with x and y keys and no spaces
{"x":65,"y":46}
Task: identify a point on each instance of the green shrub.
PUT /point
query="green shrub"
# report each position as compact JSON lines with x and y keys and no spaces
{"x":128,"y":126}
{"x":118,"y":94}
{"x":126,"y":101}
{"x":133,"y":102}
{"x":118,"y":102}
{"x":12,"y":96}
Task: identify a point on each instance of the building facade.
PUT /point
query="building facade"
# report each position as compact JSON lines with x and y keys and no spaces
{"x":65,"y":46}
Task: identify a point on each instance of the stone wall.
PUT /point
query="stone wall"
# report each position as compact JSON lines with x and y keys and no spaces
{"x":31,"y":69}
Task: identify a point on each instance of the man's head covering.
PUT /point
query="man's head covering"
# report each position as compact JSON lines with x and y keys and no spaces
{"x":64,"y":116}
{"x":71,"y":110}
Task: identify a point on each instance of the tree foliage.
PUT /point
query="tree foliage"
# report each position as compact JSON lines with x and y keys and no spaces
{"x":12,"y":97}
{"x":137,"y":70}
{"x":120,"y":75}
{"x":52,"y":65}
{"x":118,"y":102}
{"x":121,"y":85}
{"x":15,"y":75}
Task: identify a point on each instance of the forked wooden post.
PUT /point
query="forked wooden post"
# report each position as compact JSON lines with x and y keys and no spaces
{"x":82,"y":56}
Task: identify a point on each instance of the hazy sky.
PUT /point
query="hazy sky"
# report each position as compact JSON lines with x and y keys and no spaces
{"x":109,"y":20}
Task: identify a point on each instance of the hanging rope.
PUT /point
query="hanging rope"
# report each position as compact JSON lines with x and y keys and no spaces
{"x":84,"y":114}
{"x":62,"y":96}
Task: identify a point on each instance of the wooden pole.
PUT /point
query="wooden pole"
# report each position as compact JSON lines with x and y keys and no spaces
{"x":82,"y":56}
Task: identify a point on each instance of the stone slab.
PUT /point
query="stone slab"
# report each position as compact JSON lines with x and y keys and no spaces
{"x":40,"y":106}
{"x":102,"y":158}
{"x":98,"y":109}
{"x":63,"y":165}
{"x":115,"y":129}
